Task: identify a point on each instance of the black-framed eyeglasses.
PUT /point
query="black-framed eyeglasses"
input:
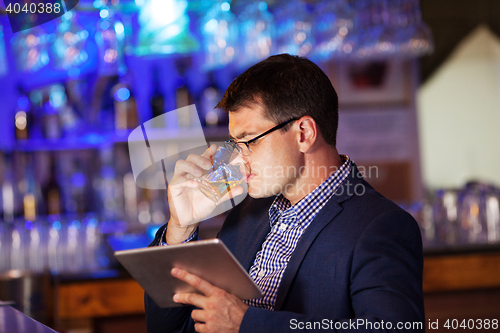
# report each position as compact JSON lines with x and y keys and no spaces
{"x":243,"y":147}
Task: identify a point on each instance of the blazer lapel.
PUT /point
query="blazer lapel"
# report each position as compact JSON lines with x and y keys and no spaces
{"x":324,"y":217}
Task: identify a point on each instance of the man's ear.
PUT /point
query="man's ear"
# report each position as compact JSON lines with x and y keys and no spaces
{"x":308,"y":133}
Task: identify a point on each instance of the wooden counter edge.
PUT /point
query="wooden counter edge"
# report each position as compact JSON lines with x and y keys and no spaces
{"x":100,"y":298}
{"x":461,"y":272}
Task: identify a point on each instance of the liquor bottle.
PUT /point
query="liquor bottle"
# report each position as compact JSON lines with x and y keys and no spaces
{"x":23,"y":117}
{"x":51,"y":191}
{"x":157,"y":101}
{"x":209,"y":98}
{"x":29,"y":197}
{"x":51,"y":119}
{"x":125,"y":106}
{"x":183,"y":95}
{"x":78,"y":185}
{"x":183,"y":98}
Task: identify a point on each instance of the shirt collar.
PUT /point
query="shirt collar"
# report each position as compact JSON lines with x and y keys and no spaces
{"x":281,"y":205}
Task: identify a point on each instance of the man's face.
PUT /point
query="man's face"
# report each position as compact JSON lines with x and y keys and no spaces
{"x":274,"y":163}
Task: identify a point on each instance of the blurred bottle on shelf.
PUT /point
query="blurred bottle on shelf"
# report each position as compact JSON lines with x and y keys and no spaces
{"x":51,"y":121}
{"x":51,"y":190}
{"x":28,"y":186}
{"x":101,"y":114}
{"x":36,"y":98}
{"x":69,"y":121}
{"x":183,"y":98}
{"x":23,"y":118}
{"x":78,"y":187}
{"x":125,"y":106}
{"x":157,"y":101}
{"x":209,"y":98}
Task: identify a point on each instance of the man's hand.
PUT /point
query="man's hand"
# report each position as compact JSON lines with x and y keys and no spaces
{"x":220,"y":311}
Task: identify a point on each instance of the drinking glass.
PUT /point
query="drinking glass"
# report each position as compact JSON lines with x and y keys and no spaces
{"x":224,"y":175}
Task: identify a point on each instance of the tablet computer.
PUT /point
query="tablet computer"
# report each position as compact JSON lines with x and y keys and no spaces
{"x":209,"y":259}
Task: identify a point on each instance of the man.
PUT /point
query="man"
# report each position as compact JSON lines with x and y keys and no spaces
{"x":328,"y":251}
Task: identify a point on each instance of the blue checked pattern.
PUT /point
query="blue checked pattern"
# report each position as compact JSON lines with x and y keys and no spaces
{"x":163,"y":239}
{"x":288,"y":223}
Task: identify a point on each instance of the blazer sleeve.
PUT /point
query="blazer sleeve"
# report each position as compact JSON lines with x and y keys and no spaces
{"x":385,"y":285}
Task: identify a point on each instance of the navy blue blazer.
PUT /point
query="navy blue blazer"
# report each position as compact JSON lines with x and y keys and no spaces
{"x":359,"y":261}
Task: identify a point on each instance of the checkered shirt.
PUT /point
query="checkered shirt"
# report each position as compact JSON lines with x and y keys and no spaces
{"x":288,"y":223}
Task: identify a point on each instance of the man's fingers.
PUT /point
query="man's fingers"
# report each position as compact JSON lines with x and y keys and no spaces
{"x":198,"y":315}
{"x":210,"y":152}
{"x":199,"y":327}
{"x":191,"y":298}
{"x":182,"y":181}
{"x":200,"y":161}
{"x":206,"y":288}
{"x":184,"y":168}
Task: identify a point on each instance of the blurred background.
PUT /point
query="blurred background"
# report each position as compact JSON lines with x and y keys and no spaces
{"x":418,"y":83}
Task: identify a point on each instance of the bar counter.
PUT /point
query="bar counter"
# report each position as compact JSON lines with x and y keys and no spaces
{"x":457,"y":285}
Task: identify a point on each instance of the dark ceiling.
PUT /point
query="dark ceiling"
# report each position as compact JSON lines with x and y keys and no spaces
{"x":450,"y":21}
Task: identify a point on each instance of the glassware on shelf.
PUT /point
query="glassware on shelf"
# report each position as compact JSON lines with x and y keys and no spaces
{"x":5,"y":246}
{"x":463,"y":217}
{"x":68,"y":48}
{"x":257,"y":31}
{"x":445,"y":214}
{"x":220,"y":36}
{"x":110,"y":38}
{"x":164,"y":28}
{"x":31,"y":49}
{"x":19,"y":247}
{"x":37,"y":253}
{"x":293,"y":32}
{"x":334,"y":30}
{"x":418,"y":38}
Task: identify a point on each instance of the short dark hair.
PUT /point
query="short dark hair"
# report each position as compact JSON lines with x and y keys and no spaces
{"x":287,"y":87}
